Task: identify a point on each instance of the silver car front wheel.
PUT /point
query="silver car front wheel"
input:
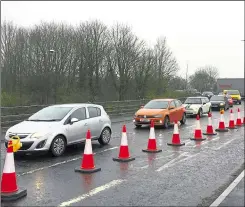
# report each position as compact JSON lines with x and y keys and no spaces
{"x":105,"y":136}
{"x":58,"y":146}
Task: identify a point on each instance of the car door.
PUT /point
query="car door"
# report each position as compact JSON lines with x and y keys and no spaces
{"x":179,"y":113}
{"x":205,"y":106}
{"x":172,"y":112}
{"x":95,"y":120}
{"x":77,"y":131}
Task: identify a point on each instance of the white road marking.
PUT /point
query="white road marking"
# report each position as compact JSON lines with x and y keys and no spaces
{"x":227,"y":191}
{"x":158,"y":158}
{"x":60,"y":163}
{"x":92,"y":192}
{"x":171,"y":161}
{"x":224,"y":144}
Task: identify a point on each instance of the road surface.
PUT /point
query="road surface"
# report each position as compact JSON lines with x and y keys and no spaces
{"x":191,"y":175}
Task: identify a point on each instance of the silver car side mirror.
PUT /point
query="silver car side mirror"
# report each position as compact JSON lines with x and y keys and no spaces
{"x":73,"y":120}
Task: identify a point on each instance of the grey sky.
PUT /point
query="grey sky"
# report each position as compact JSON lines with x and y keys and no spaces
{"x":200,"y":33}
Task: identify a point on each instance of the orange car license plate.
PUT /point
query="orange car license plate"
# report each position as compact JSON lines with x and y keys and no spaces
{"x":145,"y":120}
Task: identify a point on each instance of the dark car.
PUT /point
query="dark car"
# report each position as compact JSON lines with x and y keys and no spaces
{"x":207,"y":94}
{"x":219,"y":102}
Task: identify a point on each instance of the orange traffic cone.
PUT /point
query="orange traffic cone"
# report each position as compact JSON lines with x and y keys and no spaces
{"x":176,"y":137}
{"x":222,"y":127}
{"x":209,"y":130}
{"x":152,"y":144}
{"x":238,"y":120}
{"x":124,"y":151}
{"x":87,"y":164}
{"x":232,"y":122}
{"x":198,"y":131}
{"x":9,"y":188}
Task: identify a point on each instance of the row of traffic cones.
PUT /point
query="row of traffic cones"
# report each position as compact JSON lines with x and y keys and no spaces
{"x":10,"y":190}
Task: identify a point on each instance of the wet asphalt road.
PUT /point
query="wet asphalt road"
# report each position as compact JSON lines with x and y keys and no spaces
{"x":190,"y":175}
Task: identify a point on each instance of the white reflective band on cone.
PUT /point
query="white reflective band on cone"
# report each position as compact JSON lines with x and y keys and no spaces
{"x":152,"y":133}
{"x":176,"y":129}
{"x":222,"y":118}
{"x":198,"y":126}
{"x":88,"y":147}
{"x":238,"y":115}
{"x":232,"y":116}
{"x":124,"y":140}
{"x":9,"y":163}
{"x":209,"y":121}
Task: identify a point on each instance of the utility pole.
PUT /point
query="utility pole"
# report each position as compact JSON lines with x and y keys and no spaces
{"x":186,"y":77}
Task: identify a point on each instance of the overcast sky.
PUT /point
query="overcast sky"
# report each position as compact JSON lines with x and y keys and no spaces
{"x":199,"y":33}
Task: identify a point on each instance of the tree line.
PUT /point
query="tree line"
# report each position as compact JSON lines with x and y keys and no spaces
{"x":56,"y":63}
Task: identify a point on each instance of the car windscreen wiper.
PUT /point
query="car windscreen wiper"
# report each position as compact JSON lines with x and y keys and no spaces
{"x":43,"y":120}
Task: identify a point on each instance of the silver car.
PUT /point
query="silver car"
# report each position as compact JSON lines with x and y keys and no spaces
{"x":54,"y":127}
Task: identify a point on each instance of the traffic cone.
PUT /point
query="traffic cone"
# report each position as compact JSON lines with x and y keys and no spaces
{"x":209,"y":130}
{"x":124,"y":151}
{"x":87,"y":164}
{"x":198,"y":131}
{"x":238,"y":120}
{"x":231,"y":122}
{"x":176,"y":137}
{"x":152,"y":145}
{"x":9,"y":188}
{"x":222,"y":127}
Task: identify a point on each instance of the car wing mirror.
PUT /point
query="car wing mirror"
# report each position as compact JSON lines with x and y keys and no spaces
{"x":171,"y":107}
{"x":73,"y":120}
{"x":142,"y":106}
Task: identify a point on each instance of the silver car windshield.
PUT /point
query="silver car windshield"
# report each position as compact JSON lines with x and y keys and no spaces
{"x":50,"y":113}
{"x":193,"y":101}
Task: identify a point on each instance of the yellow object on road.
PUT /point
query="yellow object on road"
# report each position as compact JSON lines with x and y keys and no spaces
{"x":16,"y":143}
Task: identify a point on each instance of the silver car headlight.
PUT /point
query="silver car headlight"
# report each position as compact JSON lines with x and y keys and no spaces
{"x":38,"y":135}
{"x":221,"y":104}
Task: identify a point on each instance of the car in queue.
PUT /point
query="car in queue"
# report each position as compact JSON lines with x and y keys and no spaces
{"x":230,"y":101}
{"x":207,"y":94}
{"x":54,"y":127}
{"x":163,"y":112}
{"x":219,"y":102}
{"x":235,"y":95}
{"x":197,"y":106}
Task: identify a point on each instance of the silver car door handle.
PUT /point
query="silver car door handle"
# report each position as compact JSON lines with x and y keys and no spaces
{"x":85,"y":124}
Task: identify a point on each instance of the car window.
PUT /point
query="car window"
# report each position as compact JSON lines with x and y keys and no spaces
{"x":156,"y":104}
{"x":177,"y":103}
{"x":193,"y":101}
{"x":94,"y":112}
{"x":172,"y":104}
{"x":80,"y":114}
{"x":217,"y":98}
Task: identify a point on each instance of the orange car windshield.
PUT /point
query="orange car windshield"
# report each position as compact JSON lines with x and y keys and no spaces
{"x":156,"y":105}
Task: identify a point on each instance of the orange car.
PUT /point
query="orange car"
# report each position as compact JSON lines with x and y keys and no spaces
{"x":163,"y":111}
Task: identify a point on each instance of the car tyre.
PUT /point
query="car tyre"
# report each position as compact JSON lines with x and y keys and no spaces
{"x":105,"y":136}
{"x":183,"y":120}
{"x":200,"y":113}
{"x":137,"y":126}
{"x":240,"y":103}
{"x":58,"y":146}
{"x":166,"y":122}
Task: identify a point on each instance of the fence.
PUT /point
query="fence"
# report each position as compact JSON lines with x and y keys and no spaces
{"x":13,"y":115}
